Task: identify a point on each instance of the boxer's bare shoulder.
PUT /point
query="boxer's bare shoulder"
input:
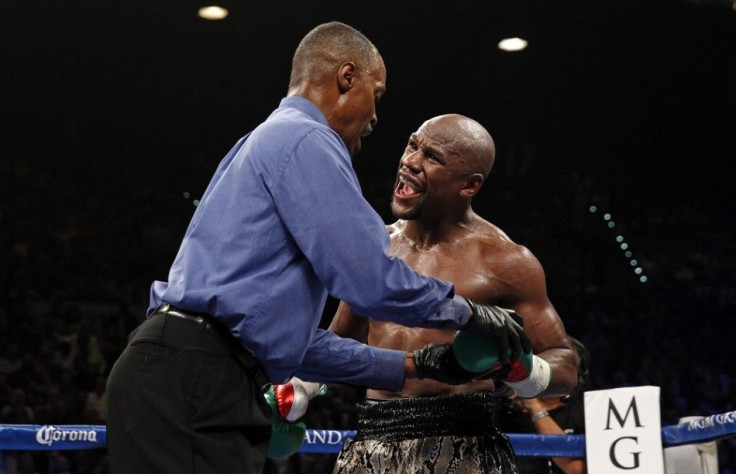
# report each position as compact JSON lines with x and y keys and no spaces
{"x":482,"y":261}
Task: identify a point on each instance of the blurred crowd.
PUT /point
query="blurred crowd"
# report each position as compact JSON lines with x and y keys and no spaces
{"x":77,"y":262}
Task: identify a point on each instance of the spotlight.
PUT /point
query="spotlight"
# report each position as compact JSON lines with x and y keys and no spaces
{"x":212,"y":12}
{"x":512,"y":44}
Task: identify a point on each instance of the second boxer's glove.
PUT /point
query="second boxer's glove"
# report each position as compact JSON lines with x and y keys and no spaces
{"x":437,"y":361}
{"x":292,"y":398}
{"x":286,"y":437}
{"x":503,"y":326}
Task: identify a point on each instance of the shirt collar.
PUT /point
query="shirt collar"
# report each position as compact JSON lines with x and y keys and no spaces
{"x":306,"y":106}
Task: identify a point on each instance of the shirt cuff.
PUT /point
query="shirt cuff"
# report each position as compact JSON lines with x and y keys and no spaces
{"x":452,"y":313}
{"x":388,"y":370}
{"x":462,"y":310}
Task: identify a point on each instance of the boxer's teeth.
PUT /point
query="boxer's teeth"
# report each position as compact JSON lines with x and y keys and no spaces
{"x":405,"y":188}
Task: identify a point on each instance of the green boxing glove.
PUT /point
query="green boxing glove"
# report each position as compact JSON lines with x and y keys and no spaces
{"x":286,"y":437}
{"x":528,"y":375}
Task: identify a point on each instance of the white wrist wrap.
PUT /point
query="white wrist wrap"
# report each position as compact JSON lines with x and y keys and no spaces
{"x":537,"y":381}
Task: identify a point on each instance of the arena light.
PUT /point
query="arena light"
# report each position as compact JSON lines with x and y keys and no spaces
{"x":212,"y":12}
{"x":512,"y":44}
{"x":622,"y":244}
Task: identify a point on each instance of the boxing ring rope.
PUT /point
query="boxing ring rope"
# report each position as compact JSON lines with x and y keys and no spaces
{"x":73,"y":437}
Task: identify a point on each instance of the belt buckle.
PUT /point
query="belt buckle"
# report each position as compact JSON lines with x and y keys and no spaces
{"x":202,"y":322}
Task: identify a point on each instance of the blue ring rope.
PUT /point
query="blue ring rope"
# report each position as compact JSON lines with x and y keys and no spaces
{"x":71,"y":437}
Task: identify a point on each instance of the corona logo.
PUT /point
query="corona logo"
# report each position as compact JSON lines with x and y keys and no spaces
{"x":48,"y":434}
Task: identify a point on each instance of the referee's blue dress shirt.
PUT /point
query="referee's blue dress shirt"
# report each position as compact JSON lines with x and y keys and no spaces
{"x":282,"y":223}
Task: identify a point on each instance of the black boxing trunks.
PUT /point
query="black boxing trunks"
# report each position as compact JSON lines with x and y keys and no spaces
{"x":442,"y":434}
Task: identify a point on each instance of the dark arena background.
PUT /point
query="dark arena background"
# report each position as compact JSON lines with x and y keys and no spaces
{"x":615,"y":131}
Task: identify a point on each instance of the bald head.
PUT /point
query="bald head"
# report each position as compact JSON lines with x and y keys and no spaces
{"x":465,"y":137}
{"x":327,"y":46}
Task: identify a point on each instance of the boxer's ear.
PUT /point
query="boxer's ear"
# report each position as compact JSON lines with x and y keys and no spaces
{"x":472,"y":185}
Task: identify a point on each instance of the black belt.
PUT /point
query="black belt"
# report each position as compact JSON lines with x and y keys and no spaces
{"x":462,"y":414}
{"x":204,"y":322}
{"x":209,"y":324}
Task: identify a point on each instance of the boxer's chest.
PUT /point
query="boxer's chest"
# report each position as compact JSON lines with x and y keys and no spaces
{"x":473,"y":276}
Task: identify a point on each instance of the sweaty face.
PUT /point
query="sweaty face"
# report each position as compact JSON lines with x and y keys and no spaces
{"x":430,"y":174}
{"x":358,"y":107}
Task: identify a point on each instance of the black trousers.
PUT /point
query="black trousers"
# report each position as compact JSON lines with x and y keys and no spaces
{"x":179,"y":401}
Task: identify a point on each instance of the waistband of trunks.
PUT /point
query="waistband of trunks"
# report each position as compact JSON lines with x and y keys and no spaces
{"x":468,"y":414}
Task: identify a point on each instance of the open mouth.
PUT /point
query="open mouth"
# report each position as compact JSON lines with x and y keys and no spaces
{"x":406,"y":188}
